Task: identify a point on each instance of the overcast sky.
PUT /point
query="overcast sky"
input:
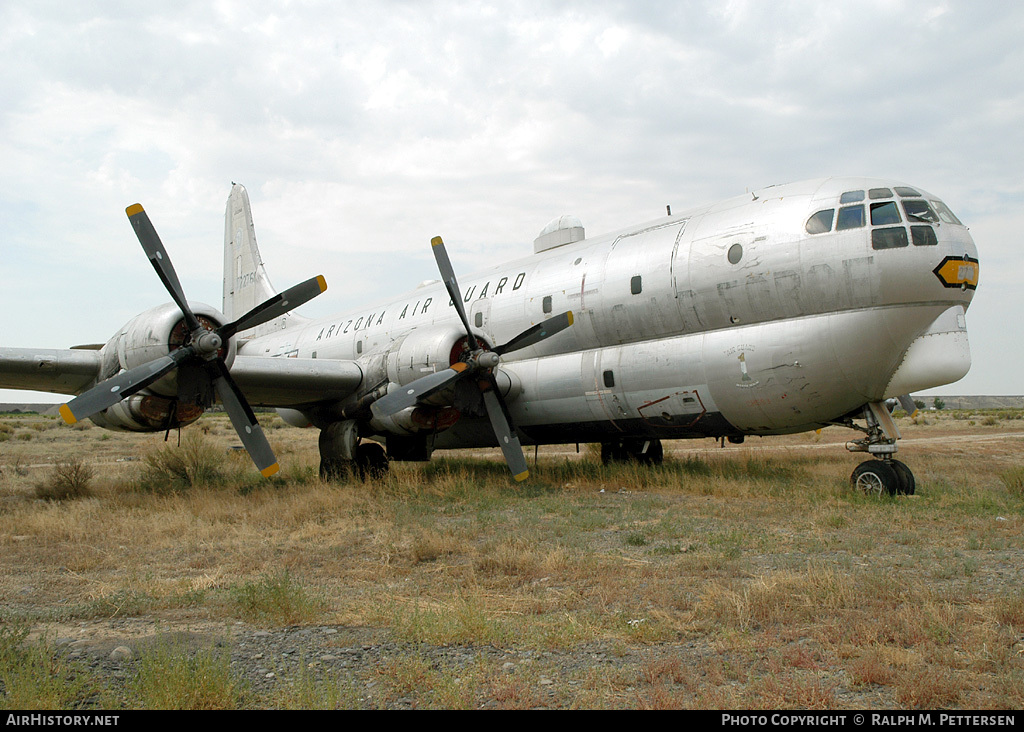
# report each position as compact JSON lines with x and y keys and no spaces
{"x":363,"y":129}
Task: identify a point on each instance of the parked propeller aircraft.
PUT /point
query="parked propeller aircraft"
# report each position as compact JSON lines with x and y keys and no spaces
{"x":783,"y":310}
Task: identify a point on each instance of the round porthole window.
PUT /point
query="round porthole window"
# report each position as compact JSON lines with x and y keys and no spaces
{"x":735,"y":253}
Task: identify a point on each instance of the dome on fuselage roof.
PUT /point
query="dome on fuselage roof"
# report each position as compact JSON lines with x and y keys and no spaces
{"x":565,"y":229}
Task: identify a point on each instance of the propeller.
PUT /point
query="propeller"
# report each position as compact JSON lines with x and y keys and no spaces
{"x":201,"y":357}
{"x":907,"y":402}
{"x":480,"y":362}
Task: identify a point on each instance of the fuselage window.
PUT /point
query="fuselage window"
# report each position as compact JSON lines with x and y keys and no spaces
{"x":907,"y":192}
{"x":850,"y":217}
{"x":876,"y":193}
{"x":891,"y":238}
{"x":479,"y":319}
{"x":886,"y":213}
{"x":636,"y":285}
{"x":820,"y":222}
{"x":920,"y":210}
{"x":945,"y":214}
{"x":546,"y":304}
{"x":923,"y":236}
{"x":609,"y":379}
{"x":852,"y":197}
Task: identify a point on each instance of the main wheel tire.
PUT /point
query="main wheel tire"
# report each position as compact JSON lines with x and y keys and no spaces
{"x":613,"y":452}
{"x":371,"y":460}
{"x":655,"y":454}
{"x":335,"y":470}
{"x":875,"y":478}
{"x":631,"y":450}
{"x":907,"y":484}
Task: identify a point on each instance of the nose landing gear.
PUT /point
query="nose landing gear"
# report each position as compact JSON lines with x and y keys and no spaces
{"x":883,"y":475}
{"x":883,"y":478}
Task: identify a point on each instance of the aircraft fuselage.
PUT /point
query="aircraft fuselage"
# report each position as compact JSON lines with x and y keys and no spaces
{"x":728,"y":319}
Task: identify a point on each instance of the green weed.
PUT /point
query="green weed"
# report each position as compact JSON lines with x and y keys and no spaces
{"x":276,"y":599}
{"x":198,"y":461}
{"x":173,"y":677}
{"x":33,"y":676}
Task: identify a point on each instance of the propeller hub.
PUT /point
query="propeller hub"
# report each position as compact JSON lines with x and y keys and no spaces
{"x":488,"y":359}
{"x":207,"y":343}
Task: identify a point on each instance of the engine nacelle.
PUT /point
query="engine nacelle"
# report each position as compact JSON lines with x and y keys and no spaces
{"x":419,"y":353}
{"x":147,"y":337}
{"x":147,"y":413}
{"x":424,"y":351}
{"x":152,"y":335}
{"x":416,"y":419}
{"x":294,"y":417}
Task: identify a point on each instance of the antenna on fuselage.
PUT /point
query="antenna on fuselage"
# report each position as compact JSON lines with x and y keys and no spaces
{"x":668,"y":210}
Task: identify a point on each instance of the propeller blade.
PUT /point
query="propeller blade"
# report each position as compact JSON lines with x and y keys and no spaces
{"x":537,"y":333}
{"x":110,"y":392}
{"x":908,"y":405}
{"x":276,"y":306}
{"x":161,"y":261}
{"x":444,"y":265}
{"x":509,"y":443}
{"x":408,"y":395}
{"x":244,"y":422}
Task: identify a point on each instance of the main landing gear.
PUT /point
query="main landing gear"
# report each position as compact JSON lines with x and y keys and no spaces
{"x":342,"y":454}
{"x":884,"y":475}
{"x":632,"y":449}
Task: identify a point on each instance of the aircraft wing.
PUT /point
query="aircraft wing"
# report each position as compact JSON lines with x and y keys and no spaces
{"x":61,"y":371}
{"x":283,"y":382}
{"x":264,"y":381}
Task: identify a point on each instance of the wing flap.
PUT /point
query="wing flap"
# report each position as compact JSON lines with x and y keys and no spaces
{"x":283,"y":382}
{"x":61,"y":371}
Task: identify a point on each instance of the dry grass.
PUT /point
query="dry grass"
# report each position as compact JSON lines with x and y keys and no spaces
{"x":739,"y":577}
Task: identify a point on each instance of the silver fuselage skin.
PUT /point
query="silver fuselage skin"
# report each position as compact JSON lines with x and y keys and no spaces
{"x":728,"y":319}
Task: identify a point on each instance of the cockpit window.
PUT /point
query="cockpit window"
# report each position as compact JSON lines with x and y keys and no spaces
{"x":885,"y":213}
{"x":920,"y":210}
{"x":852,"y":197}
{"x":945,"y":214}
{"x":924,"y":236}
{"x":850,"y":217}
{"x":876,"y":193}
{"x":820,"y":222}
{"x":891,"y":238}
{"x":906,"y":192}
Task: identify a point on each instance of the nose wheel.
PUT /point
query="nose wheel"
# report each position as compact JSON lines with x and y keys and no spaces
{"x":883,"y":478}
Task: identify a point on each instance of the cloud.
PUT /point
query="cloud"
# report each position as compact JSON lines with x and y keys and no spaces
{"x":361,"y":130}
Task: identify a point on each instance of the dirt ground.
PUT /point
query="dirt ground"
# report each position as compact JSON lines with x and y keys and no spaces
{"x":770,"y":586}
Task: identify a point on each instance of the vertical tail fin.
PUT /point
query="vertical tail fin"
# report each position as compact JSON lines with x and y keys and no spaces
{"x":246,"y":284}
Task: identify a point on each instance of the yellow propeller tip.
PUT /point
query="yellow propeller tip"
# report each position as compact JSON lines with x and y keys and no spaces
{"x":267,"y":472}
{"x":570,"y":317}
{"x":322,"y":282}
{"x":522,"y":476}
{"x":135,"y":208}
{"x":65,"y":412}
{"x":436,"y":241}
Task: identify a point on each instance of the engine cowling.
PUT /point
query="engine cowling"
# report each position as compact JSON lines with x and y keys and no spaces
{"x":147,"y":337}
{"x":424,"y":351}
{"x":147,"y":413}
